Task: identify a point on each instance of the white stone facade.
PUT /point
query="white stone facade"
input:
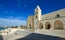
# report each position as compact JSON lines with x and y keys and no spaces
{"x":50,"y":21}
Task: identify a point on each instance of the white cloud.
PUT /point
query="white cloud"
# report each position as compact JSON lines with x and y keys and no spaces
{"x":18,"y":3}
{"x":1,"y":4}
{"x":12,"y":12}
{"x":11,"y":17}
{"x":6,"y":11}
{"x":2,"y":7}
{"x":10,"y":22}
{"x":19,"y":18}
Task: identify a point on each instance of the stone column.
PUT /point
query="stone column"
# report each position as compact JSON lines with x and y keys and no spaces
{"x":52,"y":25}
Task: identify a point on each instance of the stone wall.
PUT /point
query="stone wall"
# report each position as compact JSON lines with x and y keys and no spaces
{"x":30,"y":22}
{"x":51,"y":22}
{"x":54,"y":14}
{"x":58,"y":33}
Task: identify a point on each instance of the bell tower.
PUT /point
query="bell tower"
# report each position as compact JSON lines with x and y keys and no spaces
{"x":37,"y":13}
{"x":37,"y":16}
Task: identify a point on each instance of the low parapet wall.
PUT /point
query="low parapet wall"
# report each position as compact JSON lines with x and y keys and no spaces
{"x":59,"y":33}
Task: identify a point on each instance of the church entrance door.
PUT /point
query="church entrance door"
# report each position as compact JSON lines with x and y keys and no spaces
{"x":47,"y":25}
{"x":58,"y":25}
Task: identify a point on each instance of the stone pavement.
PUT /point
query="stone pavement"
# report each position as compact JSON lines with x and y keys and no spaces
{"x":35,"y":36}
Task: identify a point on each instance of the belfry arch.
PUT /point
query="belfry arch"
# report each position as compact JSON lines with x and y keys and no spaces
{"x":47,"y":25}
{"x":40,"y":26}
{"x":58,"y":25}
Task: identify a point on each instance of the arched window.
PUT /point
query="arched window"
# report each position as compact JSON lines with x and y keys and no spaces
{"x":57,"y":15}
{"x":47,"y":25}
{"x":36,"y":16}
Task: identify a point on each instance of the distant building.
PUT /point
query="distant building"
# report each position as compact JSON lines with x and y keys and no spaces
{"x":22,"y":27}
{"x":50,"y":21}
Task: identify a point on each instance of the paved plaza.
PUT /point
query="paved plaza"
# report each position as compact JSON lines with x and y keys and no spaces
{"x":35,"y":36}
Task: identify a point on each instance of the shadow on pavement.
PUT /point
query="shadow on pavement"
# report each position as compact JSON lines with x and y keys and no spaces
{"x":1,"y":38}
{"x":35,"y":36}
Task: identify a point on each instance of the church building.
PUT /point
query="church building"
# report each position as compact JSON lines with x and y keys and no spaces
{"x":50,"y":21}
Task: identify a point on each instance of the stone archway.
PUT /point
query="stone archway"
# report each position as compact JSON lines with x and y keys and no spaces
{"x":41,"y":26}
{"x":30,"y":26}
{"x":47,"y":25}
{"x":58,"y":25}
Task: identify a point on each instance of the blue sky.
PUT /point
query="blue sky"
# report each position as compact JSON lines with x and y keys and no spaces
{"x":15,"y":12}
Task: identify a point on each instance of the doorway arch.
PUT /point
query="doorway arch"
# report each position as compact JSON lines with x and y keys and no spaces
{"x":30,"y":26}
{"x":47,"y":25}
{"x":40,"y":25}
{"x":58,"y":25}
